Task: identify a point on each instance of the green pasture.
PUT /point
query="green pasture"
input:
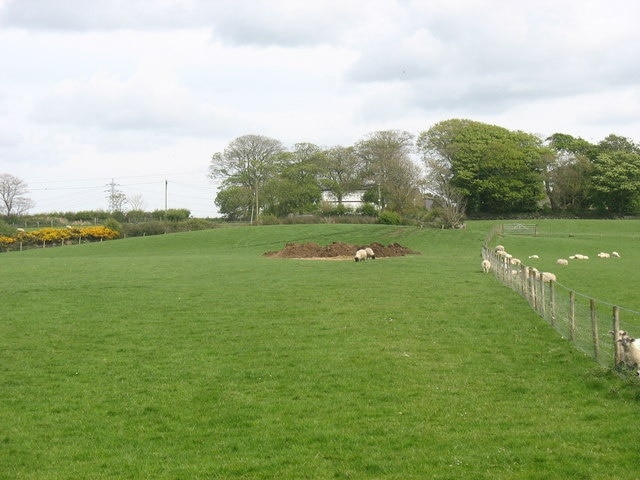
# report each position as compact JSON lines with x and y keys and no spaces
{"x":611,"y":280}
{"x":193,"y":356}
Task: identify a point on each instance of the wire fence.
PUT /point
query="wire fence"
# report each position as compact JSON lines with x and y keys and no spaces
{"x":589,"y":324}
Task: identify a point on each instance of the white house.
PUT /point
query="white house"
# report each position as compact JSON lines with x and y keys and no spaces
{"x":351,"y":200}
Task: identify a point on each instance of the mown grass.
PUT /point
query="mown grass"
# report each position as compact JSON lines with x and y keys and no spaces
{"x":193,"y":356}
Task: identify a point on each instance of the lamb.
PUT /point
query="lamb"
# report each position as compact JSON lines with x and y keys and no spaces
{"x":370,"y":254}
{"x":361,"y":255}
{"x":579,"y":256}
{"x":562,"y":261}
{"x":615,"y":254}
{"x":604,"y":255}
{"x":20,"y":230}
{"x":486,"y":266}
{"x":534,"y":256}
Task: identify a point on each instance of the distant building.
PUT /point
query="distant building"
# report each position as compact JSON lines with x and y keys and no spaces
{"x":351,"y":200}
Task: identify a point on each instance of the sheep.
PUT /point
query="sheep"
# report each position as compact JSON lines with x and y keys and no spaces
{"x":486,"y":266}
{"x":579,"y":256}
{"x":547,"y":277}
{"x":499,"y":248}
{"x":361,"y":255}
{"x":20,"y":230}
{"x":562,"y":261}
{"x":515,"y":261}
{"x":615,"y":254}
{"x":370,"y":254}
{"x":604,"y":255}
{"x":630,"y":350}
{"x":535,"y":257}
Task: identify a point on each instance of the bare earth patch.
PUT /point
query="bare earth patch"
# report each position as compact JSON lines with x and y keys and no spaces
{"x":338,"y":251}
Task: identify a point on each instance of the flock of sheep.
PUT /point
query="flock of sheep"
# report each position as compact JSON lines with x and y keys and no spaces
{"x":364,"y":254}
{"x":628,"y":348}
{"x":508,"y":259}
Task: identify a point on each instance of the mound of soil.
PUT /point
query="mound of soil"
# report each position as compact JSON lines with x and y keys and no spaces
{"x":338,"y":251}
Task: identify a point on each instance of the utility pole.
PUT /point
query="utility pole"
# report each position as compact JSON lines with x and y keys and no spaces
{"x":166,"y":187}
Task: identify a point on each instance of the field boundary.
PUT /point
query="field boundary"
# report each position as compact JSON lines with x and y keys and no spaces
{"x":586,"y":322}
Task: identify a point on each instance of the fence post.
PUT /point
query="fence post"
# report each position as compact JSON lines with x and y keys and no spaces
{"x":572,"y":315}
{"x":616,"y":328}
{"x":594,"y":329}
{"x":542,"y":304}
{"x":552,"y":303}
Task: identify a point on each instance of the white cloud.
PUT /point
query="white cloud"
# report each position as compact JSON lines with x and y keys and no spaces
{"x":132,"y":88}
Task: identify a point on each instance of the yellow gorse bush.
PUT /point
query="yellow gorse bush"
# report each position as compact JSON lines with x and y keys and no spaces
{"x":59,"y":235}
{"x":6,"y":241}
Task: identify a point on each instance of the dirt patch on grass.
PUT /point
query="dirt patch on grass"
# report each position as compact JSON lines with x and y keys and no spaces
{"x":338,"y":251}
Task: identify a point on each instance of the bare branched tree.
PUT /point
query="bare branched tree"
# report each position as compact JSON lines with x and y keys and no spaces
{"x":12,"y":196}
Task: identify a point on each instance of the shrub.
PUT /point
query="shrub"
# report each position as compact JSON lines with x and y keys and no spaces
{"x":387,"y":217}
{"x":368,"y":209}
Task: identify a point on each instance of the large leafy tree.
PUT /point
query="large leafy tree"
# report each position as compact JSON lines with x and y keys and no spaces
{"x":249,"y":162}
{"x":567,"y":179}
{"x":387,"y":167}
{"x":495,"y":169}
{"x":616,"y":182}
{"x":295,"y":189}
{"x":340,"y":171}
{"x":13,"y":199}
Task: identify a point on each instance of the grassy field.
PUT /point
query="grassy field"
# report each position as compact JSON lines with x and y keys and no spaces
{"x":191,"y":356}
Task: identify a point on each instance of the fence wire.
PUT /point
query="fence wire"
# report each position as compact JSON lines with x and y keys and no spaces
{"x":584,"y":321}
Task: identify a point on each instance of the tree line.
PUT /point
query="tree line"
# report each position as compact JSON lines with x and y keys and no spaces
{"x":466,"y":168}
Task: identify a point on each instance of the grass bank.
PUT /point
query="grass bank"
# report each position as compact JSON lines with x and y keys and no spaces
{"x":193,"y":356}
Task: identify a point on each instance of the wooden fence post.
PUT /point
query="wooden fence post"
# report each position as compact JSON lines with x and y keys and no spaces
{"x":572,"y":315}
{"x":616,"y":328}
{"x":552,"y":302}
{"x":594,"y":329}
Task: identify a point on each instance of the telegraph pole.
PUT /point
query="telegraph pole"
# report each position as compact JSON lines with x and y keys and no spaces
{"x":166,"y":186}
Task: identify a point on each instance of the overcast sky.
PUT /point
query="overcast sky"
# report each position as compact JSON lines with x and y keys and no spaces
{"x":145,"y":91}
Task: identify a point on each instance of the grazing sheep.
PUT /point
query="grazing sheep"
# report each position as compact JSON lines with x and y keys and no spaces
{"x":486,"y":266}
{"x":20,"y":230}
{"x":562,"y":261}
{"x":615,"y":254}
{"x":579,"y":256}
{"x":370,"y":254}
{"x":361,"y":255}
{"x":515,"y":261}
{"x":534,"y":256}
{"x":604,"y":255}
{"x":499,"y":248}
{"x":547,"y":277}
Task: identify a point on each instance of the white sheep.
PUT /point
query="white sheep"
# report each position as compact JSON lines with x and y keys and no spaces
{"x":579,"y":256}
{"x":535,"y":257}
{"x":615,"y":254}
{"x":515,"y":261}
{"x":486,"y":266}
{"x":562,"y":261}
{"x":499,"y":248}
{"x":604,"y":255}
{"x":547,"y":277}
{"x":370,"y":254}
{"x":361,"y":255}
{"x":630,"y":349}
{"x":20,"y":230}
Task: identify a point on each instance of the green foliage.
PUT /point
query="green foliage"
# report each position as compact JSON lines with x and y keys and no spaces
{"x":113,"y":224}
{"x":616,"y":181}
{"x":368,"y":209}
{"x":387,"y":217}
